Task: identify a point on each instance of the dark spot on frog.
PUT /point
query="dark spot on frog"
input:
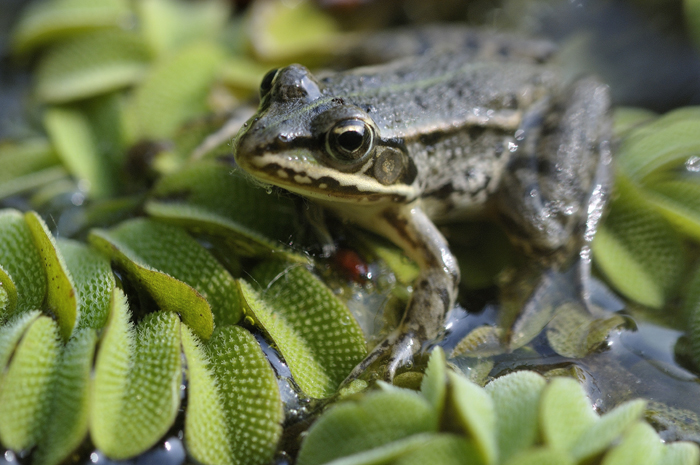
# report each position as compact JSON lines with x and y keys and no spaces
{"x":338,"y":101}
{"x":504,"y":51}
{"x":471,"y":42}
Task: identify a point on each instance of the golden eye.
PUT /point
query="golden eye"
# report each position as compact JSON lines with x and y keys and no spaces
{"x":349,"y":140}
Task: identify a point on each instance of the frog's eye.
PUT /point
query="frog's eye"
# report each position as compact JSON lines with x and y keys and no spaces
{"x":266,"y":83}
{"x":349,"y":140}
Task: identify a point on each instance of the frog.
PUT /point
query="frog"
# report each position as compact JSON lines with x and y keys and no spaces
{"x":399,"y":148}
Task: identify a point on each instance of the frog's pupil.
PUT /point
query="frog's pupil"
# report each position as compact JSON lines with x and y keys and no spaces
{"x":351,"y":140}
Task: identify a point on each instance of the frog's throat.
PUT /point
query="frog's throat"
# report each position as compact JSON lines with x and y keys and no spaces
{"x":324,"y":183}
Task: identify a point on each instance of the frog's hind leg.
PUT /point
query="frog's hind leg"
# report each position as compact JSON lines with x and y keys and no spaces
{"x":555,"y":189}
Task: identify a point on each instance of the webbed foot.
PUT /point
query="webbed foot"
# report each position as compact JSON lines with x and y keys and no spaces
{"x":390,"y":355}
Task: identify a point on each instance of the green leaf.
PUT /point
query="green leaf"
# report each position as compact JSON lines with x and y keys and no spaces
{"x":27,"y":165}
{"x":474,"y":414}
{"x":50,"y":20}
{"x":180,"y":274}
{"x":283,"y":32}
{"x":640,"y":444}
{"x":91,"y":65}
{"x":206,"y":432}
{"x":661,"y":145}
{"x":434,"y":383}
{"x":680,"y":453}
{"x":26,"y":385}
{"x":691,"y":9}
{"x":67,"y":424}
{"x":678,"y":200}
{"x":207,"y":196}
{"x":173,"y":91}
{"x":610,"y":426}
{"x":93,"y":279}
{"x":442,"y":449}
{"x":377,"y":419}
{"x":21,"y":272}
{"x":234,"y":411}
{"x":71,"y":133}
{"x":482,"y":341}
{"x":637,"y":250}
{"x":136,"y":392}
{"x":168,"y":25}
{"x":315,"y":333}
{"x":565,"y":413}
{"x":626,"y":119}
{"x":516,"y":401}
{"x":11,"y":332}
{"x":112,"y":364}
{"x":60,"y":298}
{"x":541,"y":456}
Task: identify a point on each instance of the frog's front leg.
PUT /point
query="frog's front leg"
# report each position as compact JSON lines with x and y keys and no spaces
{"x":434,"y":291}
{"x":558,"y":180}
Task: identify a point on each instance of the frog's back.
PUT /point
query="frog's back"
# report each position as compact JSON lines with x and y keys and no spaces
{"x":456,"y":117}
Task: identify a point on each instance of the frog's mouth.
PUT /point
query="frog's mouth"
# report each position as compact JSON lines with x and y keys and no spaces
{"x":301,"y":174}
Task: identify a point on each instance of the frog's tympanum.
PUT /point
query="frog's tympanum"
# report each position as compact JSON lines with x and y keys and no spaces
{"x":394,"y":148}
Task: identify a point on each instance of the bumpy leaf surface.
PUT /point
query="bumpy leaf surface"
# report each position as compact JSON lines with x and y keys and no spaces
{"x":138,"y":405}
{"x":314,"y":331}
{"x":180,"y":274}
{"x":67,"y":424}
{"x":25,"y":388}
{"x":207,"y":196}
{"x":21,"y":272}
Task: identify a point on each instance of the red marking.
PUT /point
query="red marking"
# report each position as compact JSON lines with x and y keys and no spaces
{"x":351,"y":265}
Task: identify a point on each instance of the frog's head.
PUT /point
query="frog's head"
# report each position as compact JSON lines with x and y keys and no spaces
{"x":309,"y":141}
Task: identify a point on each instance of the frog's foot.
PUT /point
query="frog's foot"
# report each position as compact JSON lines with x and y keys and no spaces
{"x":394,"y":352}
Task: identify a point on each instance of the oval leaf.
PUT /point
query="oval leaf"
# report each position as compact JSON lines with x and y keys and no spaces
{"x":21,"y":272}
{"x":240,"y":385}
{"x":377,"y":419}
{"x":25,"y":388}
{"x":178,"y":272}
{"x":565,"y":413}
{"x":208,"y":196}
{"x":516,"y":401}
{"x":133,"y":409}
{"x":67,"y":424}
{"x":93,"y":279}
{"x":316,"y":334}
{"x":91,"y":65}
{"x":61,"y":297}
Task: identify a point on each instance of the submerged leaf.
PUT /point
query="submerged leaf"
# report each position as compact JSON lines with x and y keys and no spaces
{"x":26,"y":385}
{"x":240,"y":385}
{"x":21,"y":272}
{"x":136,"y":393}
{"x":208,"y":196}
{"x":316,"y":334}
{"x":67,"y":424}
{"x":177,"y":271}
{"x":61,"y":297}
{"x":91,"y":65}
{"x":377,"y":419}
